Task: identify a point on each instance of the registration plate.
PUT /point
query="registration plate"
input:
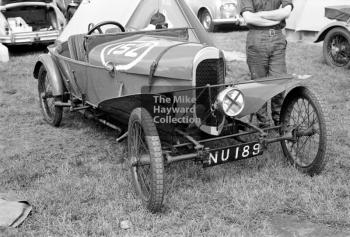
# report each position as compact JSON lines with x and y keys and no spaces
{"x":228,"y":154}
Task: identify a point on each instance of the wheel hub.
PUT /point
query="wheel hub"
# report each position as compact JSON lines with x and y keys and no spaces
{"x":339,"y":50}
{"x":206,"y":21}
{"x":335,"y":50}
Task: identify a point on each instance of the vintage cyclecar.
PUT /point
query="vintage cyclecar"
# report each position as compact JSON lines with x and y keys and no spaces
{"x":165,"y":90}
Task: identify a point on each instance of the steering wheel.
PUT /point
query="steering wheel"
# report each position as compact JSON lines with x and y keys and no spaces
{"x":99,"y":25}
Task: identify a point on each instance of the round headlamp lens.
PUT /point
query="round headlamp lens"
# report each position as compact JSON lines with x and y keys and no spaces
{"x":231,"y":101}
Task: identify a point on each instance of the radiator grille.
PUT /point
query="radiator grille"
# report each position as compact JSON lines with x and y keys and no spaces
{"x":212,"y":72}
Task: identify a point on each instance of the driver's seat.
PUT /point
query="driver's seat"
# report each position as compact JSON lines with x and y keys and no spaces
{"x":77,"y":48}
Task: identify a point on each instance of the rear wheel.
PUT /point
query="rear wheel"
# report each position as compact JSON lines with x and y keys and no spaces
{"x":336,"y":47}
{"x":305,"y":117}
{"x":206,"y":20}
{"x":146,"y":159}
{"x":52,"y":114}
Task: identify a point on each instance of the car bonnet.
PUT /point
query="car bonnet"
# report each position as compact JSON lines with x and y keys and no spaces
{"x":136,"y":54}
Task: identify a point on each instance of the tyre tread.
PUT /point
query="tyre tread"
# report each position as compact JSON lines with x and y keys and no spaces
{"x":154,"y":204}
{"x":323,"y":155}
{"x":57,"y":117}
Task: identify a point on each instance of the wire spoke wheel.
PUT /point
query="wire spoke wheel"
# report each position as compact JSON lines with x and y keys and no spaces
{"x":305,"y":118}
{"x":336,"y":47}
{"x":52,"y":114}
{"x":138,"y":150}
{"x":146,"y":159}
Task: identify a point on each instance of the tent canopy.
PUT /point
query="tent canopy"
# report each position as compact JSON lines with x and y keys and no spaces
{"x":135,"y":15}
{"x":96,"y":11}
{"x":309,"y":15}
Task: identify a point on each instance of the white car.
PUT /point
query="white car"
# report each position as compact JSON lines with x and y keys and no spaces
{"x":216,"y":12}
{"x":30,"y":21}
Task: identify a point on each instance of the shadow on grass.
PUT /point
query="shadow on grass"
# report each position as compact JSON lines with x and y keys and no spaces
{"x":76,"y":120}
{"x":87,"y":128}
{"x":23,"y":50}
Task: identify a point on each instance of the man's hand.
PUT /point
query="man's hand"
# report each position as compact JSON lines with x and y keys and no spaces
{"x":276,"y":15}
{"x":255,"y":19}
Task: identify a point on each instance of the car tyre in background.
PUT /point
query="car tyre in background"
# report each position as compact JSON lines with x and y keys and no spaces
{"x":305,"y":116}
{"x":206,"y":20}
{"x":70,"y":12}
{"x":52,"y":114}
{"x":336,"y":47}
{"x":145,"y":159}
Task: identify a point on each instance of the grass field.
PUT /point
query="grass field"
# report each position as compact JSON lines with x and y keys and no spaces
{"x":74,"y":178}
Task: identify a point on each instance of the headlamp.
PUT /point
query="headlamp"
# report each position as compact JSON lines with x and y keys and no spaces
{"x":228,"y":7}
{"x":228,"y":10}
{"x":230,"y":101}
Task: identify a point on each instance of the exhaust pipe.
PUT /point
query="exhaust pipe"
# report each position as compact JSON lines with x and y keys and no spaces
{"x":87,"y":114}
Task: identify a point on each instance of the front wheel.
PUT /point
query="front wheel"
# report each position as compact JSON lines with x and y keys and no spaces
{"x":52,"y":114}
{"x":145,"y":159}
{"x":304,"y":117}
{"x":336,"y":47}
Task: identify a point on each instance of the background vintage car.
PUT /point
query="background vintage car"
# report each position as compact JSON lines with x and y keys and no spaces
{"x":28,"y":22}
{"x":216,"y":12}
{"x":336,"y":36}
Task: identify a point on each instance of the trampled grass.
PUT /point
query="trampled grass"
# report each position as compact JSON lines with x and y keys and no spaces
{"x":74,"y":178}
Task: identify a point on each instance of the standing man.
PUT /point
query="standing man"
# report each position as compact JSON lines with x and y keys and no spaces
{"x":266,"y":45}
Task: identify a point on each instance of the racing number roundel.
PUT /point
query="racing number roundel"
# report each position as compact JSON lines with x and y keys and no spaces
{"x":126,"y":54}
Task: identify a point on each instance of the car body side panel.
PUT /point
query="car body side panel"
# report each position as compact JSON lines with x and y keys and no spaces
{"x":79,"y":81}
{"x":323,"y":32}
{"x":102,"y":85}
{"x":92,"y":83}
